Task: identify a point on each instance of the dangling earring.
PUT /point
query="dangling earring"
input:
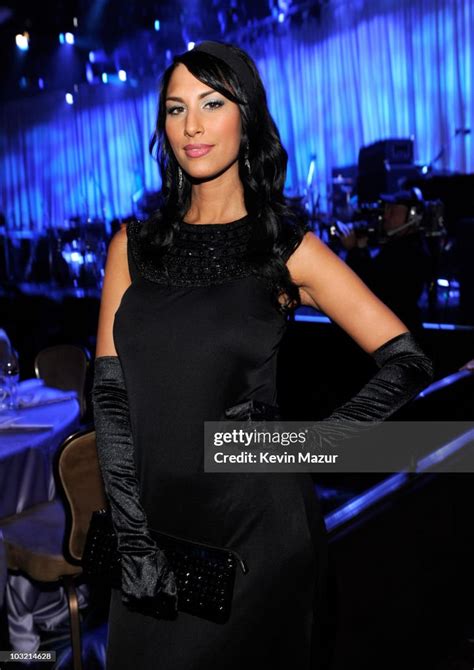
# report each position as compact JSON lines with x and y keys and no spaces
{"x":180,"y":179}
{"x":246,"y":160}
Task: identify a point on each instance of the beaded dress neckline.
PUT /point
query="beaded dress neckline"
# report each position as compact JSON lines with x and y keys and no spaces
{"x":218,"y":226}
{"x":201,"y":254}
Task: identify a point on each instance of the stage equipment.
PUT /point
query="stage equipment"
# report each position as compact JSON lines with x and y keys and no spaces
{"x":394,"y":151}
{"x":313,"y":195}
{"x":72,"y":255}
{"x":342,"y":190}
{"x":16,"y":252}
{"x":425,"y":216}
{"x":462,"y":132}
{"x":455,"y":191}
{"x":383,"y":167}
{"x":79,"y":252}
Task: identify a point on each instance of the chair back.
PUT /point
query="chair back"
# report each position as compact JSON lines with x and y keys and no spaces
{"x":81,"y":481}
{"x":64,"y":366}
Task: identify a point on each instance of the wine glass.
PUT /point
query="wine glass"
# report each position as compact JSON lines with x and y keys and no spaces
{"x":9,"y":377}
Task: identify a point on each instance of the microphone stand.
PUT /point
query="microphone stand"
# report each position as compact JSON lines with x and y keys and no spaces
{"x":458,"y":132}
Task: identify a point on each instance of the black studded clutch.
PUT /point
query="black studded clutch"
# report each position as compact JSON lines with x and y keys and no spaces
{"x":204,"y":574}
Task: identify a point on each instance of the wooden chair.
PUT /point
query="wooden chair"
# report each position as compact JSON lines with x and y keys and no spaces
{"x":64,"y":366}
{"x":82,"y":488}
{"x":46,"y":542}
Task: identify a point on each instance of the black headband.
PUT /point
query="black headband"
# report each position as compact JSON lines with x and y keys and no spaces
{"x":235,"y":62}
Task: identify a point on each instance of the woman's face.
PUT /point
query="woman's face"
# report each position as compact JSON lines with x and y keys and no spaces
{"x":203,"y":127}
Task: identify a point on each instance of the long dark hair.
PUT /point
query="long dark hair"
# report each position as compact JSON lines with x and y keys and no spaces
{"x":278,"y":229}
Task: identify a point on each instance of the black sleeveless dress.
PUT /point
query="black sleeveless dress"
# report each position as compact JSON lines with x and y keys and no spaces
{"x":192,"y":343}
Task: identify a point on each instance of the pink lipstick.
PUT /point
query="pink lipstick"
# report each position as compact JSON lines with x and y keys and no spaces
{"x":197,"y":150}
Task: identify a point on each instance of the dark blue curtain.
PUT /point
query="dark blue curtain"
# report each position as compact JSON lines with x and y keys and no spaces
{"x":89,"y":159}
{"x":370,"y":70}
{"x":364,"y":71}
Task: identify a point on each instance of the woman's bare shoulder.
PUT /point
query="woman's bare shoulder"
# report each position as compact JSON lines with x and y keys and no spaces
{"x":116,"y":281}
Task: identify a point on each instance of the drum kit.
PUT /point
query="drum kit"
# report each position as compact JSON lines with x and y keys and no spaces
{"x":72,"y":255}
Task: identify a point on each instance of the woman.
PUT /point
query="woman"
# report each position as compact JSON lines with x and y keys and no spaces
{"x":193,"y":311}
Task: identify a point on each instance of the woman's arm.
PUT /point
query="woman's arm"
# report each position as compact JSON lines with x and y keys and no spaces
{"x":146,"y":578}
{"x":327,"y":283}
{"x":116,"y":281}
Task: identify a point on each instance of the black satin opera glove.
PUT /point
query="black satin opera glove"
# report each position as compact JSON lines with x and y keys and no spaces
{"x":147,"y":580}
{"x":404,"y":371}
{"x":252,"y":410}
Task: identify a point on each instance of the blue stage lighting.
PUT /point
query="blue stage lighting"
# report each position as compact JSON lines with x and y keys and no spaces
{"x":69,"y":98}
{"x":61,"y":38}
{"x":191,"y":45}
{"x":311,"y":171}
{"x":89,"y":73}
{"x":424,"y":169}
{"x":41,"y":83}
{"x":281,"y":17}
{"x":91,"y":56}
{"x":105,"y":77}
{"x":22,"y":41}
{"x":138,"y":194}
{"x":76,"y":257}
{"x":69,"y":37}
{"x":157,"y":25}
{"x":122,"y":75}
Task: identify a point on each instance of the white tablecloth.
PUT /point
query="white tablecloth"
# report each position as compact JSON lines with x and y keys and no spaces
{"x":27,"y":479}
{"x":26,"y":458}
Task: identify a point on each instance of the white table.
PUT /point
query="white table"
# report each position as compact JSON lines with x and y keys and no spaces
{"x":27,"y":479}
{"x":27,"y":457}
